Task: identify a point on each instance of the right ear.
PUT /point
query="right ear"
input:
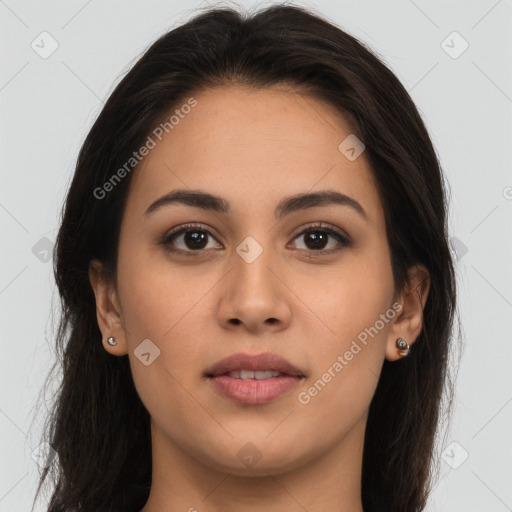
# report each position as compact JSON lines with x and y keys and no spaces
{"x":108,"y":311}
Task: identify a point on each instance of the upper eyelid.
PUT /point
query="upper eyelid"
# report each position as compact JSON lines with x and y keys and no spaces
{"x":178,"y":230}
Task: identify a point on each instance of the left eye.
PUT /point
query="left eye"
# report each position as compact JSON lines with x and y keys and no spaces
{"x":194,"y":238}
{"x":317,"y":238}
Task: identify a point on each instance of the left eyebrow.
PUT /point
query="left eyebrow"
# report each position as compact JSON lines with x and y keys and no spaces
{"x":314,"y":199}
{"x":286,"y":206}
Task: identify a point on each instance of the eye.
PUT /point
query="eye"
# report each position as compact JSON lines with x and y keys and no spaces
{"x":317,"y":238}
{"x":192,"y":238}
{"x":189,"y":238}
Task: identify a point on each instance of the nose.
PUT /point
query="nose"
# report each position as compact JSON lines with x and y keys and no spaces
{"x":255,"y":296}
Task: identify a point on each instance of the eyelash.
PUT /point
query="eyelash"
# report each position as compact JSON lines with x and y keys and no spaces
{"x":321,"y":227}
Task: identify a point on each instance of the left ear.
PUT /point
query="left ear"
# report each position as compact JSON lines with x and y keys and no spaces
{"x":409,"y":322}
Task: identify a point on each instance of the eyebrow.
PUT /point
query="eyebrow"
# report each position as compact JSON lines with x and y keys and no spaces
{"x":286,"y":206}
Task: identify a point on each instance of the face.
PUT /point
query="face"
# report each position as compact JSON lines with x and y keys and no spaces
{"x":303,"y":280}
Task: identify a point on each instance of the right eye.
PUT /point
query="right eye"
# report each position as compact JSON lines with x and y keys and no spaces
{"x":191,"y":237}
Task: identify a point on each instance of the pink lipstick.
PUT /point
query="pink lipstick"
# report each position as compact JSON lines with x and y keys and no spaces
{"x":254,"y":380}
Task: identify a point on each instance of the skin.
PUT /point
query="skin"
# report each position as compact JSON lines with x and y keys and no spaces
{"x":253,"y":148}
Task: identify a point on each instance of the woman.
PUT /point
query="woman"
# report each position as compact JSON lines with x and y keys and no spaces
{"x":257,"y":220}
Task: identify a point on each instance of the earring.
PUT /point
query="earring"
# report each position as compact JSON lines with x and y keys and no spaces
{"x":402,"y":346}
{"x":112,"y":341}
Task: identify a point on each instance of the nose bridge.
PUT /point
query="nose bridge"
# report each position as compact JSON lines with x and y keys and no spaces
{"x":254,"y":290}
{"x":253,"y":260}
{"x":253,"y":295}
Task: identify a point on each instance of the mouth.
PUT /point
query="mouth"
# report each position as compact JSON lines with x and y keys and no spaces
{"x":255,"y":375}
{"x":260,"y":367}
{"x":253,"y":380}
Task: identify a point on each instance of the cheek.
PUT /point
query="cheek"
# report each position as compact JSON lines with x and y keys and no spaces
{"x":346,"y":298}
{"x":162,"y":305}
{"x":351,"y":304}
{"x":346,"y":367}
{"x":336,"y":401}
{"x":158,"y":296}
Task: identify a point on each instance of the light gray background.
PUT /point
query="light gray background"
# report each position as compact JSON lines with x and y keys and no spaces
{"x":48,"y":106}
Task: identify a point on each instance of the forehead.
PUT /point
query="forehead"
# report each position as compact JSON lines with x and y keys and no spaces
{"x":252,"y":146}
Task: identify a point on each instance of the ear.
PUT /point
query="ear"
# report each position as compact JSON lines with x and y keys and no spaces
{"x":108,"y":311}
{"x":409,"y":322}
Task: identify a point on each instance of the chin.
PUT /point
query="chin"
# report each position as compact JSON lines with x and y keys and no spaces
{"x":256,"y":457}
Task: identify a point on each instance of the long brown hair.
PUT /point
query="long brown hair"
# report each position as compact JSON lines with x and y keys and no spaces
{"x":98,"y":426}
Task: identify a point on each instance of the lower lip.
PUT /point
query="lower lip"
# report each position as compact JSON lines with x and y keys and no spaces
{"x":252,"y":391}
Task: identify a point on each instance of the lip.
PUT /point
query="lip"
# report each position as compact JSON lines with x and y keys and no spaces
{"x":259,"y":362}
{"x":254,"y":392}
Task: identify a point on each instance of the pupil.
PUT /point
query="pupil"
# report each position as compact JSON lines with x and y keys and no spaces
{"x":317,"y":237}
{"x":197,"y":238}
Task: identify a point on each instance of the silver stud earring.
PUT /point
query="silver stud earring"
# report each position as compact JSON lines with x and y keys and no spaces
{"x":112,"y":341}
{"x":402,"y":346}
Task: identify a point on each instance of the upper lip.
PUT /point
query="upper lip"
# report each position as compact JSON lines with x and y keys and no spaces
{"x":260,"y":362}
